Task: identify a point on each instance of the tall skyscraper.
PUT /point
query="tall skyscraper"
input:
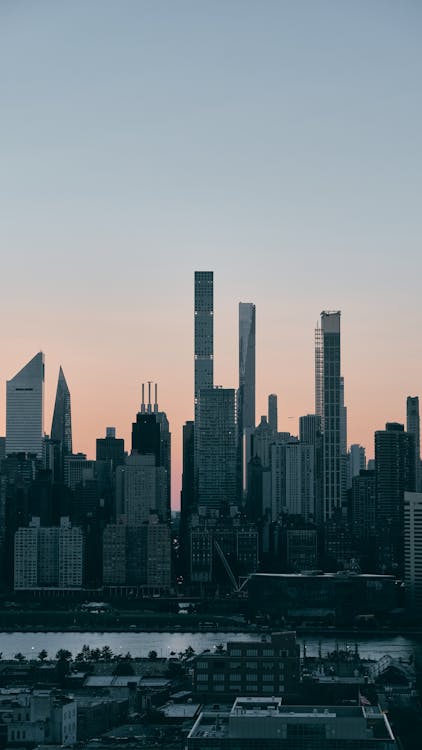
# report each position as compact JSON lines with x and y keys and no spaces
{"x":204,"y":332}
{"x":25,"y":409}
{"x":61,"y":427}
{"x":412,"y":551}
{"x":246,"y":392}
{"x":151,"y":434}
{"x":310,"y":434}
{"x":246,"y":404}
{"x":328,"y":407}
{"x":216,"y":449}
{"x":273,"y":412}
{"x":413,"y":427}
{"x":395,"y":475}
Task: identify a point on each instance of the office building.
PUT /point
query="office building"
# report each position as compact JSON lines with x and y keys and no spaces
{"x":310,"y":433}
{"x":246,"y":403}
{"x":141,"y":490}
{"x":273,"y":412}
{"x":151,"y":435}
{"x":292,"y":479}
{"x":357,"y":461}
{"x":413,"y":551}
{"x":110,"y":450}
{"x":61,"y":427}
{"x":268,"y":666}
{"x":329,"y":407}
{"x":268,"y":724}
{"x":363,"y":516}
{"x":137,"y":556}
{"x":25,"y":409}
{"x":216,"y":449}
{"x":222,"y":553}
{"x":395,"y":475}
{"x":413,"y":428}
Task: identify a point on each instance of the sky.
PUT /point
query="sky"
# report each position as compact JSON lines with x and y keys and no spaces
{"x":277,"y":143}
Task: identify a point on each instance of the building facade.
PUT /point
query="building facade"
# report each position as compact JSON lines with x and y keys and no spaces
{"x":25,"y":409}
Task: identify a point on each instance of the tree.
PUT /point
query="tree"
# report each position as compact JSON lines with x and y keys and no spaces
{"x":63,"y":655}
{"x":152,"y":655}
{"x":42,"y":655}
{"x":106,"y":653}
{"x":19,"y":657}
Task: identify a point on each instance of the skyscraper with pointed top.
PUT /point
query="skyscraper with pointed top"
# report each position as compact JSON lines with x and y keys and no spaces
{"x":61,"y":427}
{"x":25,"y":409}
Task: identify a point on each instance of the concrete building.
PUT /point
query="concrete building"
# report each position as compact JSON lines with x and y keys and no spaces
{"x":273,"y":412}
{"x":49,"y":557}
{"x":357,"y":461}
{"x":141,"y":490}
{"x":395,"y":475}
{"x":271,"y":666}
{"x":25,"y":409}
{"x":413,"y":551}
{"x":216,"y":449}
{"x":268,"y":724}
{"x":137,"y":556}
{"x":328,"y":405}
{"x":33,"y":717}
{"x":292,"y":479}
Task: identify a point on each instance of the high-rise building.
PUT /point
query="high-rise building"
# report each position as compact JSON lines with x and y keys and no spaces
{"x":110,"y":449}
{"x":273,"y":412}
{"x":413,"y":427}
{"x":143,"y":488}
{"x":395,"y":475}
{"x":216,"y":449}
{"x":246,"y":403}
{"x":204,"y":332}
{"x":61,"y":427}
{"x":188,"y":486}
{"x":328,"y":407}
{"x":246,"y":392}
{"x":137,"y":556}
{"x":48,"y":557}
{"x":25,"y":409}
{"x":151,"y":435}
{"x":412,"y":551}
{"x":292,"y":479}
{"x":357,"y":461}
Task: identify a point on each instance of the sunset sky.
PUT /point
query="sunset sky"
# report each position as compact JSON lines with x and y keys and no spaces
{"x":277,"y":143}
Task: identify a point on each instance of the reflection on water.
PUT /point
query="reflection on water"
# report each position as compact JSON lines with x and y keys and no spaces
{"x":139,"y":644}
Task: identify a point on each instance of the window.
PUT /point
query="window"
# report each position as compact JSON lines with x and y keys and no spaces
{"x":251,"y":652}
{"x":202,"y":665}
{"x":235,"y":678}
{"x":235,"y":664}
{"x":251,"y":665}
{"x":219,"y":676}
{"x":236,"y":652}
{"x":268,"y":652}
{"x":202,"y":677}
{"x":251,"y":688}
{"x":252,"y":677}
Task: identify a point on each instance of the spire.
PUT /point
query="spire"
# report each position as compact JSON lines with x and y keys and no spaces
{"x":61,"y":428}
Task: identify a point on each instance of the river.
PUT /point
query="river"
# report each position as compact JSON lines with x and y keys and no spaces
{"x":140,"y":644}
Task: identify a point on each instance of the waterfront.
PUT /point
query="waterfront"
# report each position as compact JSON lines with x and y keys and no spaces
{"x":140,"y":644}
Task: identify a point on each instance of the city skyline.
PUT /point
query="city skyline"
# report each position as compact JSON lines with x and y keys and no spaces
{"x":288,"y":423}
{"x":279,"y":147}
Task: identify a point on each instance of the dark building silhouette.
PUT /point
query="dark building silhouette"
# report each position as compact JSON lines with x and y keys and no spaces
{"x":110,"y":449}
{"x":61,"y":427}
{"x":413,"y":428}
{"x":273,"y":412}
{"x":395,"y":474}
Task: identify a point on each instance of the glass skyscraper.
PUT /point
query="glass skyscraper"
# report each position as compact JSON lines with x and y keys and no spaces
{"x":25,"y":409}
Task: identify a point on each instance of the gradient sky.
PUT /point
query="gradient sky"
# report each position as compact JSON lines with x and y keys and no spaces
{"x":276,"y":143}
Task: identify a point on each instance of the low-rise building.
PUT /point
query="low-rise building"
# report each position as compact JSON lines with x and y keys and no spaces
{"x":267,"y":724}
{"x":29,"y":717}
{"x":270,"y":666}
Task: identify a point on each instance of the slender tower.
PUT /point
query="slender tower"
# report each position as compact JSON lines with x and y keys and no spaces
{"x":328,"y":407}
{"x":246,"y":392}
{"x":204,"y":332}
{"x":25,"y":409}
{"x":413,"y":426}
{"x":61,"y":427}
{"x":204,"y":350}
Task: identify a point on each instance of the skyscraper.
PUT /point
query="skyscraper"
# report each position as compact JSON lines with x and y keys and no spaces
{"x":412,"y":548}
{"x":246,"y":407}
{"x":25,"y":409}
{"x":151,"y":434}
{"x":216,"y":449}
{"x":413,"y":427}
{"x":203,"y":352}
{"x":273,"y":412}
{"x":204,"y":332}
{"x":395,"y":475}
{"x":61,"y":427}
{"x":328,"y":407}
